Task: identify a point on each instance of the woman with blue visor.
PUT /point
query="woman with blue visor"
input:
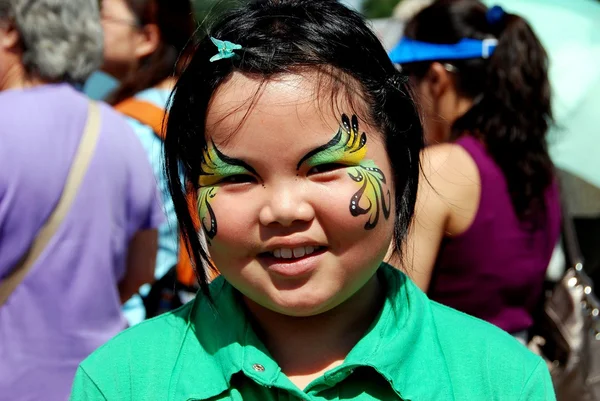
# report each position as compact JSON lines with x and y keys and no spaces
{"x":488,"y":209}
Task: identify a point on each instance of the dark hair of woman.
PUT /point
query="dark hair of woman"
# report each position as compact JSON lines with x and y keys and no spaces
{"x":279,"y":37}
{"x":175,"y":21}
{"x":511,"y":112}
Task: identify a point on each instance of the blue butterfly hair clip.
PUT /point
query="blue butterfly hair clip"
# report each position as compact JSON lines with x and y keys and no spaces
{"x":225,"y":49}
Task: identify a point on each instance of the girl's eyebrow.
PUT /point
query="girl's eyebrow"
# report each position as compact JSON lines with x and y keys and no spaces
{"x":319,"y":149}
{"x":233,"y":161}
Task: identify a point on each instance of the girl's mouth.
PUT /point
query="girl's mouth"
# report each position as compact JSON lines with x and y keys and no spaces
{"x":292,"y":262}
{"x":293,"y":253}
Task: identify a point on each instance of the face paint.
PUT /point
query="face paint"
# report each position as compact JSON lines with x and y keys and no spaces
{"x":217,"y":166}
{"x":370,"y":177}
{"x":349,"y":147}
{"x":346,"y":147}
{"x":214,"y":168}
{"x":204,"y":209}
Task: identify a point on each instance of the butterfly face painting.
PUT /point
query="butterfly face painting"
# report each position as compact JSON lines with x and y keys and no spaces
{"x":216,"y":168}
{"x":349,"y":147}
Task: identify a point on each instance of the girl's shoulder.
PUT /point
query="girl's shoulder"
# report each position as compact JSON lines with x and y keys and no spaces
{"x":449,"y":188}
{"x":159,"y":337}
{"x":449,"y":162}
{"x":143,"y":361}
{"x":479,"y":360}
{"x":480,"y":355}
{"x":137,"y":363}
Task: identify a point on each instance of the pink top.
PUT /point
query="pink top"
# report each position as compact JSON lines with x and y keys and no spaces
{"x":495,"y":270}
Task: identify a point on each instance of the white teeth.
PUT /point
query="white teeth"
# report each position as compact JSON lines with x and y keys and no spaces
{"x":288,"y":253}
{"x":298,"y":252}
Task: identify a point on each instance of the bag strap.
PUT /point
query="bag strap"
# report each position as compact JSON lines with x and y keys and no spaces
{"x":75,"y":176}
{"x":570,"y":240}
{"x":145,"y":112}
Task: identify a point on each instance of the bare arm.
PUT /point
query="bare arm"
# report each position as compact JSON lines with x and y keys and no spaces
{"x":447,"y":200}
{"x":141,"y":258}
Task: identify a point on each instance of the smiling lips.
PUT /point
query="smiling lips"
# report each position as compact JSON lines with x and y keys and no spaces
{"x":294,"y":261}
{"x":293,"y":253}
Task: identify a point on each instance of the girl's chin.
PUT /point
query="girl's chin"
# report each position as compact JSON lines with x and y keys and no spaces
{"x":300,"y":303}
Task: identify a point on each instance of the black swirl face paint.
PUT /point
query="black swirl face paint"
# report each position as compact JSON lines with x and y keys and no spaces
{"x":349,"y":147}
{"x":371,"y":179}
{"x":215,"y":167}
{"x":205,"y":211}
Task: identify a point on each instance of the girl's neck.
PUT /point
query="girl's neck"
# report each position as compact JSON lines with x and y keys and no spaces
{"x":308,"y":346}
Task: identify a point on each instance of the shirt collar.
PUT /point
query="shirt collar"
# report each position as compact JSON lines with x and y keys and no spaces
{"x":401,"y":345}
{"x":219,"y":343}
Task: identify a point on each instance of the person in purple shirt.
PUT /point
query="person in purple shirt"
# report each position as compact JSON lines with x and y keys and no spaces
{"x":488,"y":208}
{"x":69,"y":303}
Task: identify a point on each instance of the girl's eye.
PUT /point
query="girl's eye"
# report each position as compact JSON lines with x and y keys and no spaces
{"x":325,"y":168}
{"x":238,"y":179}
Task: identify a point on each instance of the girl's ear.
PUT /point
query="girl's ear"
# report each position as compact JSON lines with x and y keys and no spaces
{"x":437,"y":80}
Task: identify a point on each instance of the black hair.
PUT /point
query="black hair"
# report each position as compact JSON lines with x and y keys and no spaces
{"x":511,"y":111}
{"x":288,"y":36}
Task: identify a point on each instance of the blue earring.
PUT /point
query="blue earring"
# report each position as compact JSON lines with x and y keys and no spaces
{"x":225,"y":49}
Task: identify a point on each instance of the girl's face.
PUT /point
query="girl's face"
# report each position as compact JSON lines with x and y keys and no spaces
{"x":296,"y":197}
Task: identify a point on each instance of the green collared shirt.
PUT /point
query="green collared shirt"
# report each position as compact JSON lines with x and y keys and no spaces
{"x":415,"y":350}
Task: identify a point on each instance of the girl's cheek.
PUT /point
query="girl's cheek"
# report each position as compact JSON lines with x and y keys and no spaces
{"x":236,"y":219}
{"x":337,"y":210}
{"x":332,"y":209}
{"x":237,"y":214}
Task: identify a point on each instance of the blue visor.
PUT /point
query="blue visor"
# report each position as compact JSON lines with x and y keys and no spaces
{"x":412,"y":51}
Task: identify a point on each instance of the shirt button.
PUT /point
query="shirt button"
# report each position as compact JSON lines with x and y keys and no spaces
{"x":258,"y":367}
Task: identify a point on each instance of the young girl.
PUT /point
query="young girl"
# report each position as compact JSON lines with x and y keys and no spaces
{"x":488,"y":212}
{"x":302,"y":143}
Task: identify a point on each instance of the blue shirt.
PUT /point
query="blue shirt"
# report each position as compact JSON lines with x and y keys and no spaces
{"x":168,"y":242}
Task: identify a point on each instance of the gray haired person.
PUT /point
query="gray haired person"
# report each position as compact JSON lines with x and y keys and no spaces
{"x":60,"y":40}
{"x":68,"y":302}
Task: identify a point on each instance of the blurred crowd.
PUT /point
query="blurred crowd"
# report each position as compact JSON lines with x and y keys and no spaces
{"x":81,"y":261}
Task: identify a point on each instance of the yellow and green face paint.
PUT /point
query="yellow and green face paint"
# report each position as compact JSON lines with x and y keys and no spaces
{"x":349,"y":147}
{"x":215,"y":168}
